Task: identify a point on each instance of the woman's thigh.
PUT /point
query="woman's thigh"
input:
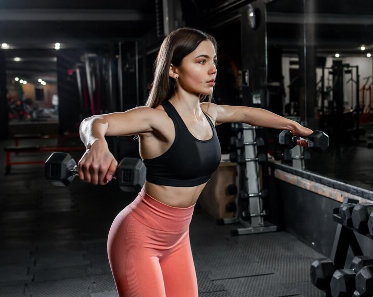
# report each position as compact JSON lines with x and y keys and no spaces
{"x":179,"y":272}
{"x":135,"y":267}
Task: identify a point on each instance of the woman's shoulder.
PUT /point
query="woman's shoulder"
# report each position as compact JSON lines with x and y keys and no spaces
{"x":210,"y":109}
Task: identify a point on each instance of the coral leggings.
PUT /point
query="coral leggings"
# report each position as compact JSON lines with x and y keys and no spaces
{"x":149,"y":250}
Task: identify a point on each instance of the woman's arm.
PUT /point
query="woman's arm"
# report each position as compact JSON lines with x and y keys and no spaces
{"x":98,"y":165}
{"x":132,"y":122}
{"x":256,"y":117}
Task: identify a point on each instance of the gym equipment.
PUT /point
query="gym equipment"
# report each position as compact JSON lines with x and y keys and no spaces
{"x":342,"y":283}
{"x":318,"y":140}
{"x":34,"y":149}
{"x":321,"y":273}
{"x":250,"y":213}
{"x":343,"y":280}
{"x":358,"y":262}
{"x":345,"y":212}
{"x":360,"y":216}
{"x":240,"y":159}
{"x":60,"y":169}
{"x":370,"y":224}
{"x":364,"y":281}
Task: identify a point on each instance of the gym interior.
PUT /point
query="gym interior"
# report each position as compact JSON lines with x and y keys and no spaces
{"x":280,"y":216}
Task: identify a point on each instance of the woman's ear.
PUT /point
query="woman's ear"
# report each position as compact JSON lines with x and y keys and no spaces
{"x":173,"y":72}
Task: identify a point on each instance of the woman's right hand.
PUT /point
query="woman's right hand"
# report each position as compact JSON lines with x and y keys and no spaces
{"x":97,"y":165}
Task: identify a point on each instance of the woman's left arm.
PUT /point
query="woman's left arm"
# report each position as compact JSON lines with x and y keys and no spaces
{"x":256,"y":117}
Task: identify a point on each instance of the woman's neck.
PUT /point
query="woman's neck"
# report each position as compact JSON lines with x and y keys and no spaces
{"x":188,"y":104}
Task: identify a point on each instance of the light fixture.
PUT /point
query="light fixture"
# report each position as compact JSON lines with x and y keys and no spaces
{"x":337,"y":55}
{"x":17,"y":59}
{"x":16,"y":78}
{"x":40,"y":80}
{"x":43,"y":83}
{"x":24,"y":82}
{"x":4,"y":45}
{"x":363,"y":48}
{"x":57,"y":46}
{"x":369,"y":55}
{"x":21,"y":81}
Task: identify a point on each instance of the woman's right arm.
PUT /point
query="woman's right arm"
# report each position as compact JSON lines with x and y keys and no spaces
{"x":98,"y":165}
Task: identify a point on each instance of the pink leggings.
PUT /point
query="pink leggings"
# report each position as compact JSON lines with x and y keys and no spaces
{"x":149,"y":250}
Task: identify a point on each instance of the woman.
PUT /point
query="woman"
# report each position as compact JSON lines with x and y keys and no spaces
{"x":148,"y":244}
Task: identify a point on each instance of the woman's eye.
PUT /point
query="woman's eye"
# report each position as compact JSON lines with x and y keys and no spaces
{"x":202,"y":62}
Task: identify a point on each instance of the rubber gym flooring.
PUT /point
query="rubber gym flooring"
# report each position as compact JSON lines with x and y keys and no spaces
{"x":53,"y":243}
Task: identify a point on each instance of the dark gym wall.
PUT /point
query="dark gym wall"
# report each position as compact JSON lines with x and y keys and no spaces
{"x":69,"y":107}
{"x":3,"y":100}
{"x":254,"y":59}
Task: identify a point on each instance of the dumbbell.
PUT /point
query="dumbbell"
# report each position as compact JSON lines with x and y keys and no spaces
{"x":342,"y":283}
{"x":321,"y":273}
{"x":318,"y":140}
{"x":239,"y":143}
{"x":241,"y":159}
{"x":343,"y":280}
{"x":364,"y":282}
{"x":244,"y":195}
{"x":345,"y":212}
{"x":60,"y":169}
{"x":370,"y":224}
{"x":360,"y":216}
{"x":288,"y":156}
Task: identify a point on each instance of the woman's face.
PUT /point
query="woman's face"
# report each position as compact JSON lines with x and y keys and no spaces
{"x":197,"y":71}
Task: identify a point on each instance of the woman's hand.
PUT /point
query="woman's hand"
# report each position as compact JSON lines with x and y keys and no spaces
{"x":300,"y":130}
{"x":97,"y":165}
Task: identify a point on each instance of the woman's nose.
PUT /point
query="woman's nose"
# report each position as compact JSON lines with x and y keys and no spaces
{"x":213,"y":68}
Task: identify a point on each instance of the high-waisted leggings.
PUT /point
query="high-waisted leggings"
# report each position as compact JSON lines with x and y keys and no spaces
{"x":149,"y":250}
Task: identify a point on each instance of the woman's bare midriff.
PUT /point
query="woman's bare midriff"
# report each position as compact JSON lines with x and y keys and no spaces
{"x":174,"y":196}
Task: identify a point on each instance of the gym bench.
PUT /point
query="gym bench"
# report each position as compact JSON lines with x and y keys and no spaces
{"x":34,"y":149}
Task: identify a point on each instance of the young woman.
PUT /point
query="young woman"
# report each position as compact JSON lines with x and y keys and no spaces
{"x":148,"y":243}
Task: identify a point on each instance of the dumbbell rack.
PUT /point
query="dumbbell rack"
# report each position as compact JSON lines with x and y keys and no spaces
{"x":250,"y":215}
{"x":297,"y":155}
{"x":343,"y":239}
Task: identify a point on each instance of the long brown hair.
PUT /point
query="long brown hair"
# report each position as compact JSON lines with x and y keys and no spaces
{"x":174,"y":48}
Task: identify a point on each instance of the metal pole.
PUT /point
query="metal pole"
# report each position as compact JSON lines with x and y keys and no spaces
{"x":357,"y":103}
{"x":137,"y":73}
{"x":120,"y":77}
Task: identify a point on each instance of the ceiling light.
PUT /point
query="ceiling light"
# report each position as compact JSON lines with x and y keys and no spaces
{"x":17,"y":59}
{"x":24,"y":82}
{"x":363,"y":48}
{"x":21,"y":81}
{"x":57,"y":46}
{"x":43,"y":83}
{"x":337,"y":55}
{"x":369,"y":55}
{"x":4,"y":45}
{"x":40,"y":80}
{"x":16,"y":78}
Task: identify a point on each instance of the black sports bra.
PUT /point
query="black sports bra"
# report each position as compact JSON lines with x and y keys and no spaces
{"x":189,"y":161}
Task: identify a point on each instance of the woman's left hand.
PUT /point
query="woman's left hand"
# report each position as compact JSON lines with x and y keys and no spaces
{"x":300,"y":130}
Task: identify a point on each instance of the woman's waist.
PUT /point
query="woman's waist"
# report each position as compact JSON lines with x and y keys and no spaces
{"x":179,"y":197}
{"x":157,"y":215}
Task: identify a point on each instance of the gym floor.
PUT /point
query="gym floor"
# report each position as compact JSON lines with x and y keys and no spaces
{"x":54,"y":244}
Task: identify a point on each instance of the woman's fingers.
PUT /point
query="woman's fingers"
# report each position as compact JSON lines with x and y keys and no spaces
{"x":93,"y":171}
{"x":111,"y":171}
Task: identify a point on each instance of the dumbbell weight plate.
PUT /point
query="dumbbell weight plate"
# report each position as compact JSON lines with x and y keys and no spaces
{"x":58,"y":169}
